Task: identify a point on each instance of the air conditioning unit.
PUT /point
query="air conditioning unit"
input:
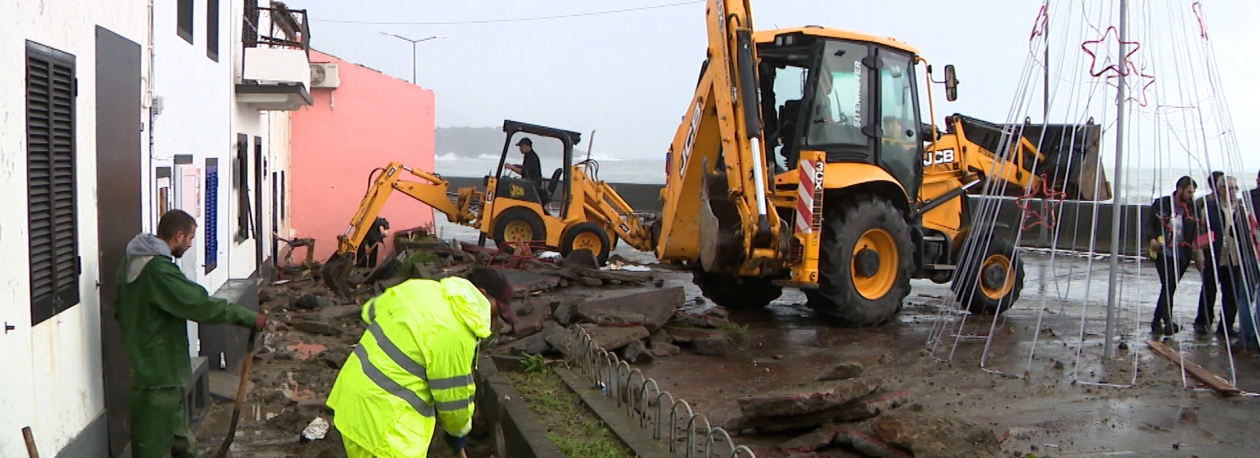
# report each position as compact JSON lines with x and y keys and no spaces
{"x":324,"y":75}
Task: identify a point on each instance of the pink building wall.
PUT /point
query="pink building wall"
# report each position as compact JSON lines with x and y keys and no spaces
{"x":367,"y":122}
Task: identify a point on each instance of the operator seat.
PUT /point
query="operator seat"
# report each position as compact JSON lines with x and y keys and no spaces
{"x":553,"y":183}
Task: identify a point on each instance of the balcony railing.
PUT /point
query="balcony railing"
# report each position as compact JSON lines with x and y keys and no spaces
{"x":275,"y":62}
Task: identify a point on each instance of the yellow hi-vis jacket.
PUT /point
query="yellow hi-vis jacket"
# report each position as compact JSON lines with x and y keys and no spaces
{"x":412,"y":368}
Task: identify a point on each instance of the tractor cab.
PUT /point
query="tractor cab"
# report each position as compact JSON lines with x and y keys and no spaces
{"x":851,"y":96}
{"x":549,"y":194}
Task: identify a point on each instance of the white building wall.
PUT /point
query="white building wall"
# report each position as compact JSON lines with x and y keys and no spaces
{"x":195,"y":120}
{"x":52,"y":378}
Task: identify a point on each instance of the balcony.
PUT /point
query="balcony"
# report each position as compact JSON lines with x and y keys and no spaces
{"x":275,"y":69}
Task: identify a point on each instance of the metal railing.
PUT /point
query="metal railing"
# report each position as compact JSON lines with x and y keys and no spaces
{"x":638,"y":394}
{"x":286,"y":28}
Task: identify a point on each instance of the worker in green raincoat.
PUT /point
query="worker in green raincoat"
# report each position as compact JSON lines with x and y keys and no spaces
{"x":412,"y":370}
{"x":154,"y":303}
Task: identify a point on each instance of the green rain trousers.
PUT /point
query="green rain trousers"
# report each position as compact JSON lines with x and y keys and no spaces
{"x":159,"y":425}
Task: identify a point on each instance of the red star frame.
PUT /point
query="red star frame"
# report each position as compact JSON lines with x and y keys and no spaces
{"x":1048,"y":196}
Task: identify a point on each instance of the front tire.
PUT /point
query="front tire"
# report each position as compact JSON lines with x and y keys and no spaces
{"x":992,"y":279}
{"x":587,"y":236}
{"x":865,"y":263}
{"x":518,"y":225}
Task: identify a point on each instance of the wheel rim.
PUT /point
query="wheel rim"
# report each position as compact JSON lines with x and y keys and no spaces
{"x":879,"y":282}
{"x":998,"y":289}
{"x":589,"y":241}
{"x":518,"y":231}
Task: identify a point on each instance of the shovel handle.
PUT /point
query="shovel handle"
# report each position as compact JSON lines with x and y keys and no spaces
{"x":30,"y":442}
{"x":240,"y":394}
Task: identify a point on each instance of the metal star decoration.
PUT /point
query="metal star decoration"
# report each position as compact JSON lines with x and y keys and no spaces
{"x":1109,"y":41}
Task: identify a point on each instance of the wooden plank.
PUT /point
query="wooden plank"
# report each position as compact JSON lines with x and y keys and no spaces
{"x":1208,"y":378}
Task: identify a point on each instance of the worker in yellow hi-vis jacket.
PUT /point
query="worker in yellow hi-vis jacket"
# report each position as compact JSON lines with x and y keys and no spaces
{"x":413,"y":367}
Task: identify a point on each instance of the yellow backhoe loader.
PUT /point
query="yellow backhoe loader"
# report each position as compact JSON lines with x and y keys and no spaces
{"x":804,"y":154}
{"x":582,"y":213}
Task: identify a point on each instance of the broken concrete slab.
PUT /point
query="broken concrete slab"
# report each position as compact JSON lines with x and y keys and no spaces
{"x":614,"y":318}
{"x":559,"y":338}
{"x":714,"y":345}
{"x":531,"y":322}
{"x":686,"y":335}
{"x":566,"y":310}
{"x":871,"y":405}
{"x":338,"y":311}
{"x":810,"y":398}
{"x":661,"y":349}
{"x":614,"y":338}
{"x":582,"y":258}
{"x":312,"y":302}
{"x":637,"y":353}
{"x":842,"y":371}
{"x":867,"y":443}
{"x":655,"y":307}
{"x":315,"y":328}
{"x":701,"y":321}
{"x":533,"y":345}
{"x":929,"y":434}
{"x":814,"y":440}
{"x":525,"y":282}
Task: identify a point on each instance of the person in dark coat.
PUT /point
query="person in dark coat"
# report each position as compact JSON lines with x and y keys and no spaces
{"x":1207,"y":294}
{"x":530,"y":169}
{"x":365,"y":256}
{"x":1171,"y":232}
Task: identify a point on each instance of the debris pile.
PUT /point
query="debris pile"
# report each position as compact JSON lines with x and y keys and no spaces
{"x":311,"y":330}
{"x":640,"y":327}
{"x":845,"y":412}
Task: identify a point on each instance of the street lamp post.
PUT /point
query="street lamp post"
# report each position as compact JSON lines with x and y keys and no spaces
{"x":413,"y":50}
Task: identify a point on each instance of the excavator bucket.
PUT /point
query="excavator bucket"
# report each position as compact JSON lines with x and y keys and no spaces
{"x":336,"y":272}
{"x":1070,"y":164}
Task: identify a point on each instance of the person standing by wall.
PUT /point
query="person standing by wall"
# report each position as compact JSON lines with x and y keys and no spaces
{"x":155,"y":301}
{"x":1232,"y":248}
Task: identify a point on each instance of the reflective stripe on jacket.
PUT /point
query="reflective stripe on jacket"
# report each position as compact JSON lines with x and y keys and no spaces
{"x":412,"y":368}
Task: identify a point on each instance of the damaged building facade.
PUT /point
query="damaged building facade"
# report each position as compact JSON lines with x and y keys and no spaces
{"x":116,"y":112}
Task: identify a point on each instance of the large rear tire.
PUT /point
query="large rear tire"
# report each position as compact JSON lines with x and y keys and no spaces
{"x":991,"y":280}
{"x":865,"y":263}
{"x":736,"y":292}
{"x":518,"y":225}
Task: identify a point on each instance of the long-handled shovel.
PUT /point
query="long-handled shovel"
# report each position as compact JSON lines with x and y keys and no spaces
{"x":240,"y":395}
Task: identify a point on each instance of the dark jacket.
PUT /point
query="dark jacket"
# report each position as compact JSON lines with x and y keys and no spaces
{"x":531,"y":168}
{"x":1156,"y":222}
{"x":154,"y":302}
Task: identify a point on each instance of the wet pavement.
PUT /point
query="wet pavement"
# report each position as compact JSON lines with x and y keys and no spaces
{"x":1049,"y":404}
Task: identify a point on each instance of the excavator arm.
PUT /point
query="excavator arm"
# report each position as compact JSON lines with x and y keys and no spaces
{"x":718,"y":154}
{"x":429,"y":189}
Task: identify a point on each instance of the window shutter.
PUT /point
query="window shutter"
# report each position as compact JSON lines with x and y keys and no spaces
{"x":50,"y":136}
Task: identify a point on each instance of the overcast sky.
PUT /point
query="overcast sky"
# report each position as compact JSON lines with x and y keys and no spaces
{"x":630,"y":76}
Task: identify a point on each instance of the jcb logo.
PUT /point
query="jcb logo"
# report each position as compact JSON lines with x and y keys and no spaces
{"x":516,"y":191}
{"x":818,"y":175}
{"x":944,"y":156}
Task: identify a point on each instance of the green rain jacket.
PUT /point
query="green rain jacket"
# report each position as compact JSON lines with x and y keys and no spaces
{"x":413,"y":367}
{"x":154,"y":303}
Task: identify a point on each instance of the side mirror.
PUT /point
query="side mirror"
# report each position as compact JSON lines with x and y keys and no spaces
{"x":951,"y":83}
